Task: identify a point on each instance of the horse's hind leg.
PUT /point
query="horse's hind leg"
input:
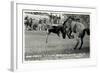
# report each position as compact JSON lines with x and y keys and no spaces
{"x":78,"y":41}
{"x":81,"y":37}
{"x":81,"y":43}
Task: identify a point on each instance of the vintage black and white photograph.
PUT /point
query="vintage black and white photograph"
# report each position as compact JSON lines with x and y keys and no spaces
{"x":55,"y":35}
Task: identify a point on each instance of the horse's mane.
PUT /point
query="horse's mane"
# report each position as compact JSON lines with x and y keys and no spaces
{"x":66,"y":20}
{"x":72,"y":18}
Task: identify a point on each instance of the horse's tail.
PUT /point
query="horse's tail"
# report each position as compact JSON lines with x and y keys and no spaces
{"x":87,"y":30}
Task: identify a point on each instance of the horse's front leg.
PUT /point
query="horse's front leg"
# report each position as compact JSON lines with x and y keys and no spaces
{"x":58,"y":34}
{"x":68,"y":35}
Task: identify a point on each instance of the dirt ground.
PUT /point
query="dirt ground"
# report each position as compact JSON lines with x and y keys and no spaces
{"x":36,"y":47}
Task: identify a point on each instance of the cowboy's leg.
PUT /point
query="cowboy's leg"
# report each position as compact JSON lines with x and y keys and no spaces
{"x":48,"y":33}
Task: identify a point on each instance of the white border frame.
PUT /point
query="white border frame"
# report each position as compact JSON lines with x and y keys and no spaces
{"x":16,"y":59}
